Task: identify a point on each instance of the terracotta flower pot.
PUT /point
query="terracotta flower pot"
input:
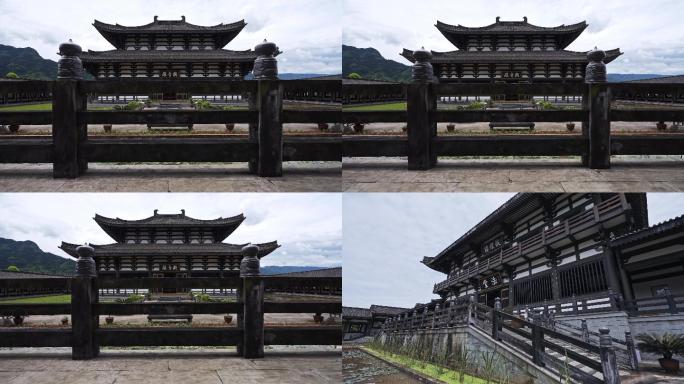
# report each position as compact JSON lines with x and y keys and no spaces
{"x":109,"y":320}
{"x":451,"y":127}
{"x":323,"y":126}
{"x":18,"y":320}
{"x":570,"y":126}
{"x":516,"y":323}
{"x":65,"y":321}
{"x":318,"y":318}
{"x":661,"y":126}
{"x":14,"y":128}
{"x":107,"y":128}
{"x":228,"y":319}
{"x":669,"y":365}
{"x":230,"y":127}
{"x":358,"y":127}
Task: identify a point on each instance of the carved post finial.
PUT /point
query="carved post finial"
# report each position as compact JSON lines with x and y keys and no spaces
{"x":422,"y":71}
{"x":596,"y":69}
{"x":266,"y":65}
{"x":85,"y":265}
{"x":70,"y":65}
{"x":497,"y":303}
{"x":250,"y":266}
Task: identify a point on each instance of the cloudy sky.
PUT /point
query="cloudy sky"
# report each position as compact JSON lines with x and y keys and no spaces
{"x":307,"y":226}
{"x":307,"y":31}
{"x":386,"y":236}
{"x":649,"y":33}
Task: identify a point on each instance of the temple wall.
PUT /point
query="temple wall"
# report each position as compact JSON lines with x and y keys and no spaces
{"x":446,"y":340}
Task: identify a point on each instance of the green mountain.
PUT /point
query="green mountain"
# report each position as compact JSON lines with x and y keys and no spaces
{"x":28,"y":257}
{"x":26,"y":63}
{"x":370,"y":64}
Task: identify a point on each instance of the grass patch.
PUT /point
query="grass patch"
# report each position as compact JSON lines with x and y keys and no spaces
{"x":52,"y":299}
{"x":398,"y":106}
{"x":27,"y":107}
{"x":431,"y":370}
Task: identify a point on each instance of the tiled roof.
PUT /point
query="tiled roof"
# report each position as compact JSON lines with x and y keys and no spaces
{"x":675,"y":224}
{"x":486,"y":57}
{"x":356,"y":312}
{"x":159,"y":219}
{"x":385,"y":310}
{"x":196,"y":56}
{"x":677,"y":79}
{"x":217,"y":249}
{"x":327,"y":272}
{"x":326,"y":77}
{"x":511,"y":26}
{"x":27,"y":275}
{"x":170,"y":26}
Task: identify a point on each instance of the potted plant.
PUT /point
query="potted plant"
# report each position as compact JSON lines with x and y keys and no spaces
{"x":109,"y":319}
{"x":661,"y":126}
{"x":14,"y":128}
{"x":65,"y":320}
{"x":323,"y":126}
{"x":230,"y":127}
{"x":451,"y":127}
{"x":228,"y":319}
{"x":18,"y":320}
{"x":107,"y":128}
{"x":358,"y":127}
{"x":667,"y":344}
{"x":517,"y":323}
{"x":570,"y":126}
{"x":318,"y":318}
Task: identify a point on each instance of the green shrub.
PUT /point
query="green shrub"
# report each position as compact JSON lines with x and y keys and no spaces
{"x":11,"y":75}
{"x":131,"y":299}
{"x":203,"y":104}
{"x":667,"y":344}
{"x":134,"y":105}
{"x":13,"y":268}
{"x":545,"y":105}
{"x":353,"y":75}
{"x":475,"y":105}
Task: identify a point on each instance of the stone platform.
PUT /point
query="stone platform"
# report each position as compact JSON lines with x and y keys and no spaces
{"x":628,"y":174}
{"x":304,"y":365}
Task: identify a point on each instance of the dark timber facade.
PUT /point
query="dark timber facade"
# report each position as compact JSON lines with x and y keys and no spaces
{"x":539,"y":249}
{"x":163,"y":245}
{"x":511,"y":52}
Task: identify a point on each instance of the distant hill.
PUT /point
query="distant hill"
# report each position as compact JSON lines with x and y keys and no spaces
{"x":28,"y":257}
{"x":370,"y":64}
{"x":26,"y":63}
{"x":292,"y":76}
{"x":276,"y":270}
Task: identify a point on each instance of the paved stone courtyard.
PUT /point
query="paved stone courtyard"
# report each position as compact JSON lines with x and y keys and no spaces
{"x":656,"y":174}
{"x":177,"y":177}
{"x":304,"y":365}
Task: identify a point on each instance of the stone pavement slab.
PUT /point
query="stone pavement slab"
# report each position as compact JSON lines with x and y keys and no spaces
{"x":627,"y":174}
{"x":170,"y":366}
{"x":177,"y":177}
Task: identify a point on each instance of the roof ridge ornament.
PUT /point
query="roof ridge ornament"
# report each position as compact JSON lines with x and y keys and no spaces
{"x":156,"y":18}
{"x":524,"y":19}
{"x":498,"y":18}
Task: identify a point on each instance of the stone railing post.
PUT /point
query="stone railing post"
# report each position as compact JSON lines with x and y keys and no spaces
{"x":537,"y":339}
{"x":631,"y":351}
{"x":269,"y":103}
{"x":585,"y":331}
{"x":496,"y":319}
{"x":253,"y":303}
{"x":421,"y":105}
{"x":608,"y":359}
{"x":67,"y":131}
{"x":599,"y":110}
{"x":84,"y":319}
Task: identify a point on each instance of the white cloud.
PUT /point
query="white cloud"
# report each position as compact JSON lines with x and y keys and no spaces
{"x":386,"y":236}
{"x":650,"y":34}
{"x":308,"y":226}
{"x":307,"y":31}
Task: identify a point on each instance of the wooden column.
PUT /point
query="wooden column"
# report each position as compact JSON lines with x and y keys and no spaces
{"x":421,"y":105}
{"x":84,"y":318}
{"x":270,"y":131}
{"x":537,"y":339}
{"x":67,"y":102}
{"x":599,"y":111}
{"x":253,"y":302}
